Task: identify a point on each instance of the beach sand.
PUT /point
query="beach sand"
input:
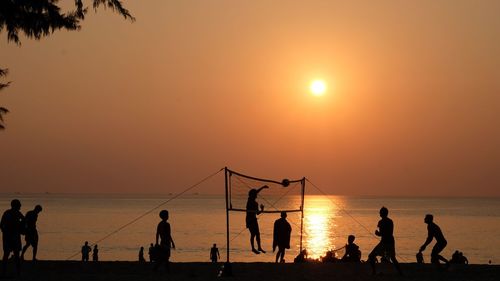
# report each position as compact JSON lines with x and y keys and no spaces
{"x":132,"y":271}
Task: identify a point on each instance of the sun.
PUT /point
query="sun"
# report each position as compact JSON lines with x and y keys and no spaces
{"x":318,"y":87}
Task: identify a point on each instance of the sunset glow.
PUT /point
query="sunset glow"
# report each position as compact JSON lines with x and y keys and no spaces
{"x":318,"y":87}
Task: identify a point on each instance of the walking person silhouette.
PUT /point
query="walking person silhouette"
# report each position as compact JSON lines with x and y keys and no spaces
{"x":281,"y":237}
{"x":251,"y":218}
{"x":434,"y":231}
{"x":31,"y":236}
{"x":386,"y":246}
{"x":12,"y":225}
{"x":163,"y":241}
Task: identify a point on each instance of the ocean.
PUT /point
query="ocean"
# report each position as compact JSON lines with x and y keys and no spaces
{"x":471,"y":225}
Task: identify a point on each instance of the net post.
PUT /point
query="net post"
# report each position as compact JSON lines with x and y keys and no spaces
{"x":227,"y":213}
{"x":303,"y":183}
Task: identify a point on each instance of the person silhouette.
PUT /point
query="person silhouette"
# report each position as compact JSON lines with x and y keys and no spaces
{"x":281,"y":237}
{"x":433,"y":231}
{"x":252,"y":224}
{"x":86,"y":251}
{"x":386,"y":246}
{"x":141,"y":255}
{"x":352,"y":252}
{"x":163,"y":241}
{"x":31,"y":236}
{"x":12,"y":225}
{"x":214,"y":254}
{"x":95,"y":254}
{"x":458,"y":258}
{"x":151,"y":251}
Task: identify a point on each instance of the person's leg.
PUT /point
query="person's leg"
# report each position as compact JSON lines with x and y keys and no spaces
{"x":252,"y":243}
{"x":372,"y":257}
{"x":257,"y":236}
{"x":282,"y":256}
{"x":17,"y":261}
{"x":25,"y":248}
{"x":396,"y":263}
{"x":35,"y":246}
{"x":5,"y":259}
{"x":278,"y":255}
{"x":435,"y":256}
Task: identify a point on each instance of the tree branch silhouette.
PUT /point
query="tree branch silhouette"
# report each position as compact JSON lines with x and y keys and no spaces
{"x":40,"y":18}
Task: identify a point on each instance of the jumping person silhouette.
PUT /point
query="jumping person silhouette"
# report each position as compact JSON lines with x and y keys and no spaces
{"x":31,"y":235}
{"x":163,"y":241}
{"x":433,"y":231}
{"x":12,"y":226}
{"x":251,"y":218}
{"x":281,"y":237}
{"x":387,"y":244}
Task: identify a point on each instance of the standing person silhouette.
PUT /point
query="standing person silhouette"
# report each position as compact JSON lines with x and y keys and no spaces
{"x":141,"y":255}
{"x":251,"y":218}
{"x":86,"y":251}
{"x":151,"y":251}
{"x":163,"y":241}
{"x":281,"y":237}
{"x":31,"y":236}
{"x":387,"y":244}
{"x":12,"y":225}
{"x":433,"y":231}
{"x":95,"y":254}
{"x":214,"y":254}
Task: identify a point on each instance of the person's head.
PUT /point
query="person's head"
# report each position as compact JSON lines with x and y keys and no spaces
{"x":384,"y":212}
{"x":151,"y":245}
{"x":95,"y":246}
{"x":86,"y":243}
{"x":215,"y":245}
{"x":164,"y":215}
{"x":283,"y":215}
{"x":350,"y":239}
{"x":428,"y":218}
{"x":252,"y":194}
{"x":142,"y":248}
{"x":15,"y":204}
{"x":38,"y":208}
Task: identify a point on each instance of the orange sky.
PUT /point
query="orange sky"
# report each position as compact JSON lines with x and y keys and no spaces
{"x":192,"y":86}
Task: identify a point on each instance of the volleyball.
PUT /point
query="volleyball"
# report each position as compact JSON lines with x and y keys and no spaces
{"x":285,"y":182}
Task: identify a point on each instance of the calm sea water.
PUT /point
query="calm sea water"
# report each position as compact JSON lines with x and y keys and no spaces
{"x":471,"y":225}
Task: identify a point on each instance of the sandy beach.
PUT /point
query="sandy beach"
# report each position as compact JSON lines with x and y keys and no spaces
{"x":72,"y":270}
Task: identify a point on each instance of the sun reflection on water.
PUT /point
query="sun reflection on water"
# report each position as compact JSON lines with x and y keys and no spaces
{"x":319,"y":226}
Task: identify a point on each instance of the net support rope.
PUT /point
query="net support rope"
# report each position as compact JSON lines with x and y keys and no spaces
{"x":150,"y":211}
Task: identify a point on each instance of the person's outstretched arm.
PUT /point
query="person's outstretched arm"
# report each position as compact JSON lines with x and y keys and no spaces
{"x":172,"y":241}
{"x":427,"y":241}
{"x":263,"y":187}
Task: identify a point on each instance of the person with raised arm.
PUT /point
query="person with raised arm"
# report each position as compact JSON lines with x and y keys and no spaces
{"x":252,"y":224}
